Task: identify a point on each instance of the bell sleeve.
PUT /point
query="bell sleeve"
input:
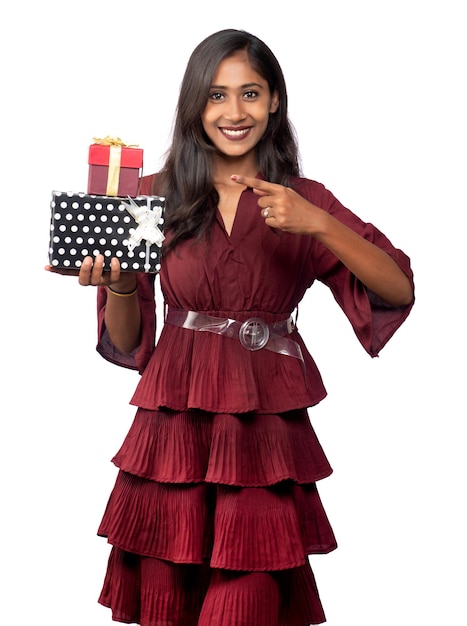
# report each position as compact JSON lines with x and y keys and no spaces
{"x":373,"y":320}
{"x":139,"y":357}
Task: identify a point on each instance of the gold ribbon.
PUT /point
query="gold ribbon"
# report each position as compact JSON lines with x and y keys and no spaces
{"x":115,"y":158}
{"x":110,"y":140}
{"x":113,"y":176}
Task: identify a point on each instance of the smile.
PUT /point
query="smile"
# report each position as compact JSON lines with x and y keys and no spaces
{"x":235,"y":133}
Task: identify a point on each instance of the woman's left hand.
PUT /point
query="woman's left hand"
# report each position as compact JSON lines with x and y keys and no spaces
{"x":283,"y":208}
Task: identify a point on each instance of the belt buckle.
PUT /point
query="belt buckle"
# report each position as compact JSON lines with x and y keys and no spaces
{"x":254,"y":334}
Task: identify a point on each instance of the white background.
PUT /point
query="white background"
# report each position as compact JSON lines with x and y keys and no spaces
{"x":377,"y":95}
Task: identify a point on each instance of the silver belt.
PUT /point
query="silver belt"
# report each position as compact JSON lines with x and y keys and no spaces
{"x":254,"y":334}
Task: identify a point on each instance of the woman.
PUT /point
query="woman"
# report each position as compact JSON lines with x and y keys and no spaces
{"x":215,"y":507}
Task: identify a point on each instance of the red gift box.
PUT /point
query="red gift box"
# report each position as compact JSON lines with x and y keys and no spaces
{"x":114,"y":168}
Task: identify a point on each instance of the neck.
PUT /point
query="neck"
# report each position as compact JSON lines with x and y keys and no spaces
{"x":225,"y":167}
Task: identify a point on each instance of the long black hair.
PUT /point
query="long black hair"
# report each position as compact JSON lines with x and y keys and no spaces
{"x":186,"y":179}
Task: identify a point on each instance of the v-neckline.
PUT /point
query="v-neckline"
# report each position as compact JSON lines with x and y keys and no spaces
{"x":235,"y":217}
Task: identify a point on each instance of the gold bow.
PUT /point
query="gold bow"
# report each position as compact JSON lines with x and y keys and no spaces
{"x":109,"y":140}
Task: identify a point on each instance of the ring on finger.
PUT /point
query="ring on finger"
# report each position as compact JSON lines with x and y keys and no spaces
{"x":266,"y":212}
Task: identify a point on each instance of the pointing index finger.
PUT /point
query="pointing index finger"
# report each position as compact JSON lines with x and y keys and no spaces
{"x":255,"y":183}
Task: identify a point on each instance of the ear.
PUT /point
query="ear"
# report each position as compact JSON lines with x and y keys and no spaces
{"x":274,"y":102}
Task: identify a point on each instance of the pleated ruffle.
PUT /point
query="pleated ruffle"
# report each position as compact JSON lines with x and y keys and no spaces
{"x":255,"y":529}
{"x":288,"y":598}
{"x":248,"y":450}
{"x":158,"y":520}
{"x":222,"y":496}
{"x":152,"y":592}
{"x":266,"y":529}
{"x":239,"y":490}
{"x":216,"y":374}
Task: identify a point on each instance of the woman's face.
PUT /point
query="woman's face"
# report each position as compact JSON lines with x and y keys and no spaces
{"x":239,"y":104}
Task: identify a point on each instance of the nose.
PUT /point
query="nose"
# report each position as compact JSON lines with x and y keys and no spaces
{"x":234,"y":110}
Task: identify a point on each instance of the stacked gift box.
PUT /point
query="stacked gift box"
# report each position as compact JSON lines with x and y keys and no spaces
{"x":111,"y":218}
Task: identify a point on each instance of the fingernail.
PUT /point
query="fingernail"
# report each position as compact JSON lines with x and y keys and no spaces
{"x":234,"y":177}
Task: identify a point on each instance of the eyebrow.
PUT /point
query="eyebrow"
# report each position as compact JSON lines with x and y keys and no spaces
{"x":245,"y":86}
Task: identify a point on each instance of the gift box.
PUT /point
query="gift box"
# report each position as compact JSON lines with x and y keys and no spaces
{"x":127,"y":228}
{"x":114,"y":168}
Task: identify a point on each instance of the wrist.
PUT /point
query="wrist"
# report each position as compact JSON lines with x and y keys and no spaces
{"x":124,"y":287}
{"x":122,"y":294}
{"x":323,"y":226}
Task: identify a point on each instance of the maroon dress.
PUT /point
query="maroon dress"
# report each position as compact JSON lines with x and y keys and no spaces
{"x":215,"y":508}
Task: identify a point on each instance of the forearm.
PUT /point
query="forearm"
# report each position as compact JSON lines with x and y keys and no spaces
{"x":371,"y":265}
{"x":123,"y":317}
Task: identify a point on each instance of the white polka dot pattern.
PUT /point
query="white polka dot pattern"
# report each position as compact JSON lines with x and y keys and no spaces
{"x":83,"y":225}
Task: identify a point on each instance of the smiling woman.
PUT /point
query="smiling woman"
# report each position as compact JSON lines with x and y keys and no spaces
{"x":215,"y":508}
{"x":235,"y":119}
{"x":237,"y":112}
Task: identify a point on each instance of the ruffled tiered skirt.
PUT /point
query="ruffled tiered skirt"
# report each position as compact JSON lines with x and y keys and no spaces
{"x":212,"y":519}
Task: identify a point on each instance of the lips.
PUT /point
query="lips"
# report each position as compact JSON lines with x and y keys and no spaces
{"x":235,"y":134}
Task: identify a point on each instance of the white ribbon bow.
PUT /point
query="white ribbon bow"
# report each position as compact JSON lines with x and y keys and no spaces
{"x":147,"y":220}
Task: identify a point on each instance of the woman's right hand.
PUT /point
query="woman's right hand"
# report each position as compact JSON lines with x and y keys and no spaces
{"x":92,"y":273}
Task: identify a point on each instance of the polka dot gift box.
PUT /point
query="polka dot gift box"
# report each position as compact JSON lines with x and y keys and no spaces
{"x":127,"y":228}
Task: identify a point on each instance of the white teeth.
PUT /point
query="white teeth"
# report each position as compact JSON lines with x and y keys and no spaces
{"x":234,"y":133}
